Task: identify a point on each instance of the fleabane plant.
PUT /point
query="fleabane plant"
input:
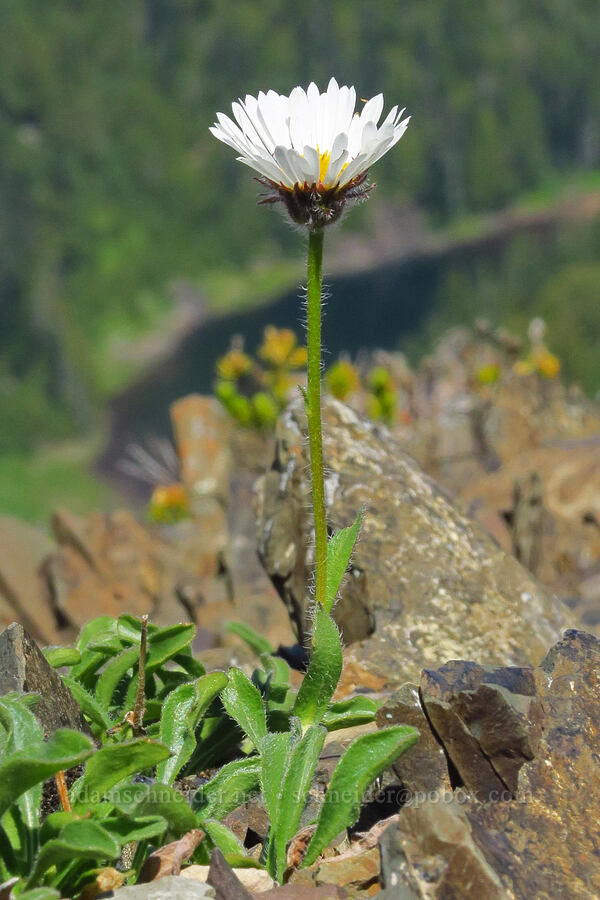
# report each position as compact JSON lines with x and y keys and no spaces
{"x":312,"y":152}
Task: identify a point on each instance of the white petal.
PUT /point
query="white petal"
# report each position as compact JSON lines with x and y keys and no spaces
{"x":334,"y":168}
{"x":313,"y":164}
{"x":288,"y":176}
{"x":372,"y":109}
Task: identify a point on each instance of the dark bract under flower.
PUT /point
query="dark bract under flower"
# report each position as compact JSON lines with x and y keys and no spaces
{"x":314,"y":205}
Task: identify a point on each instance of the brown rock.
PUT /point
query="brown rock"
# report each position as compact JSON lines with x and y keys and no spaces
{"x":426,"y":582}
{"x":423,"y":768}
{"x":481,"y":716}
{"x":23,"y":669}
{"x":24,"y":549}
{"x":542,"y":844}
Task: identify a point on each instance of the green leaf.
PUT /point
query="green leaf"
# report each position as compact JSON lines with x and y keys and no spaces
{"x":25,"y":768}
{"x":129,"y":629}
{"x":255,"y":641}
{"x":181,"y":713}
{"x":244,"y":703}
{"x":89,"y":705}
{"x":138,"y":800}
{"x":189,"y":664}
{"x":233,"y":784}
{"x":223,"y":838}
{"x":125,"y":828}
{"x":339,"y":550}
{"x":41,"y":893}
{"x":347,"y":713}
{"x":24,"y":731}
{"x":304,"y":758}
{"x":95,"y":627}
{"x":366,"y":758}
{"x":324,"y":670}
{"x":112,"y":764}
{"x":115,"y":670}
{"x":62,"y":656}
{"x":77,"y":840}
{"x":165,"y":643}
{"x":274,"y":750}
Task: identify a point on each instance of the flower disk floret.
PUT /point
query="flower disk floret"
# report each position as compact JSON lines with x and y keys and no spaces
{"x":311,"y":150}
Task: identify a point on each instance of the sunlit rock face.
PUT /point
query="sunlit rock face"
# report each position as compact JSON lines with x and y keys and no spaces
{"x":427,"y":584}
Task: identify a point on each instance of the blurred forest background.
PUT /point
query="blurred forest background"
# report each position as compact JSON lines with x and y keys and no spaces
{"x":122,"y":219}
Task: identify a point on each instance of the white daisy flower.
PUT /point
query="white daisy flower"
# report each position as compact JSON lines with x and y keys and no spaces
{"x":312,"y":150}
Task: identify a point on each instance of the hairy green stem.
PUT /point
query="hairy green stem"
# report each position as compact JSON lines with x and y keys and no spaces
{"x":313,"y":409}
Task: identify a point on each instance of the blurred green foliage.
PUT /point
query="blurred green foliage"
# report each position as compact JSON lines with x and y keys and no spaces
{"x":111,"y":186}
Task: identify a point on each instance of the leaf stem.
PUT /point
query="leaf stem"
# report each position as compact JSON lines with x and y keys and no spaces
{"x":313,"y":409}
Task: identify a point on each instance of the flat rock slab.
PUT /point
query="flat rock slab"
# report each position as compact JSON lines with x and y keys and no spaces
{"x":427,"y":583}
{"x":23,"y":669}
{"x":172,"y":887}
{"x":541,"y":844}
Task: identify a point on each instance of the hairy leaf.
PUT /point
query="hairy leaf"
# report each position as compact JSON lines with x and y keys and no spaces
{"x":62,"y":656}
{"x":363,"y":761}
{"x":233,"y":784}
{"x":223,"y":838}
{"x":89,"y":705}
{"x":324,"y":670}
{"x":244,"y":703}
{"x":181,"y":712}
{"x":23,"y":769}
{"x":347,"y":713}
{"x":339,"y":550}
{"x":255,"y":641}
{"x":112,"y":764}
{"x":77,"y":840}
{"x":138,"y":800}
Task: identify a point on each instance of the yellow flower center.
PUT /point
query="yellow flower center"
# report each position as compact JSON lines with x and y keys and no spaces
{"x":323,"y":164}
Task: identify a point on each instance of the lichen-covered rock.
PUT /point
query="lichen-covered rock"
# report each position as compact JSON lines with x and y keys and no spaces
{"x":543,"y":843}
{"x":427,"y":584}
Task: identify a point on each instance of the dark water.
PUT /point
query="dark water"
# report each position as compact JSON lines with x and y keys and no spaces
{"x":385,"y":308}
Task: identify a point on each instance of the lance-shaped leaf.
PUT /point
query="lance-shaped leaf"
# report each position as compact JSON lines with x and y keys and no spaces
{"x":140,"y":800}
{"x":112,"y":764}
{"x":339,"y":550}
{"x":62,"y":656}
{"x":255,"y":641}
{"x":223,"y":838}
{"x":40,"y":893}
{"x":351,"y":712}
{"x":301,"y":765}
{"x":95,"y":712}
{"x":77,"y":840}
{"x":274,"y":750}
{"x":125,"y":829}
{"x":366,"y":758}
{"x":244,"y":703}
{"x":182,"y":711}
{"x":22,"y":770}
{"x":324,"y":670}
{"x":234,"y":783}
{"x":23,"y":731}
{"x":114,"y":671}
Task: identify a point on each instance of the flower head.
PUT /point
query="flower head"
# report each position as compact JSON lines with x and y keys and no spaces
{"x":311,"y":150}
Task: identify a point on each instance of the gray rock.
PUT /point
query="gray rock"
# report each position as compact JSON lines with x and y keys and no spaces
{"x":171,"y":887}
{"x":23,"y":669}
{"x":427,"y":584}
